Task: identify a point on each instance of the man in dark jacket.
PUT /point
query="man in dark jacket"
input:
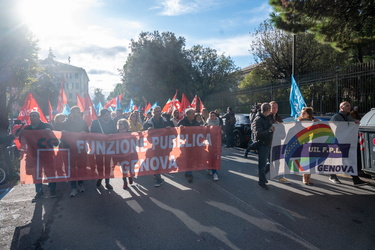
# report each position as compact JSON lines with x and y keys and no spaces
{"x":230,"y":120}
{"x":156,"y":122}
{"x":75,"y":123}
{"x":188,"y":121}
{"x":275,"y":118}
{"x":37,"y":124}
{"x":344,"y":115}
{"x":103,"y":125}
{"x":263,"y":132}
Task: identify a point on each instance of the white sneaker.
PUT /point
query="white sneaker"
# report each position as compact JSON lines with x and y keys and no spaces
{"x":81,"y":188}
{"x":74,"y":192}
{"x":216,"y":177}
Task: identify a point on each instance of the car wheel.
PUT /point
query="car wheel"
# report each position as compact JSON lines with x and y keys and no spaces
{"x":238,"y":140}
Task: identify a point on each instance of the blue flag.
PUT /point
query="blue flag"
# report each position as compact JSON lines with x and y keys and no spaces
{"x":153,"y":106}
{"x":296,"y":100}
{"x":118,"y":103}
{"x":98,"y":107}
{"x":131,"y":105}
{"x":66,"y":110}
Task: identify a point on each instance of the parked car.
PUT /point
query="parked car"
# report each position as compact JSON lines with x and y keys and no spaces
{"x":242,"y":130}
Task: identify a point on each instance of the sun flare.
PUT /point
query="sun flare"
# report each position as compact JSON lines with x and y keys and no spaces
{"x":48,"y":17}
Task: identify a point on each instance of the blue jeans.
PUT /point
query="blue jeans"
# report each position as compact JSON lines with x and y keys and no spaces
{"x":39,"y":187}
{"x":263,"y":155}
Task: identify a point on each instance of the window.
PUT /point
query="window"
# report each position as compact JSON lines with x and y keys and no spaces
{"x":76,"y":75}
{"x":77,"y":85}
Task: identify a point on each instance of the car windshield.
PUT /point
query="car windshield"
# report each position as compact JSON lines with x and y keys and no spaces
{"x":243,"y":119}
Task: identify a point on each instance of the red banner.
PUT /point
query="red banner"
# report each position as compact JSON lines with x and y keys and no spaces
{"x":54,"y":156}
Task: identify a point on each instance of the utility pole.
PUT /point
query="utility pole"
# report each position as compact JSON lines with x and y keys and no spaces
{"x":293,"y":54}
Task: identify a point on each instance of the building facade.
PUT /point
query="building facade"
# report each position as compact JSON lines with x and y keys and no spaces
{"x":75,"y":79}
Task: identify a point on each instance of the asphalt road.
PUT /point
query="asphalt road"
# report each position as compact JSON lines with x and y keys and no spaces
{"x":233,"y":213}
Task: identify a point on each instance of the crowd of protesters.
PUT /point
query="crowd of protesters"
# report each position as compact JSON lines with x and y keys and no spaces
{"x":124,"y":122}
{"x":262,"y":118}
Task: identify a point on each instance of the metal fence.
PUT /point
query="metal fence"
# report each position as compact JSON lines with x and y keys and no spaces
{"x":322,"y":90}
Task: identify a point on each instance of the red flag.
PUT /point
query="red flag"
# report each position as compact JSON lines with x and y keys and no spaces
{"x":30,"y":105}
{"x":62,"y":100}
{"x":147,"y":108}
{"x":166,"y":106}
{"x":201,"y":104}
{"x":185,"y":104}
{"x":172,"y":104}
{"x":89,"y":113}
{"x":50,"y":112}
{"x":135,"y":108}
{"x":194,"y":103}
{"x":80,"y":102}
{"x":177,"y":105}
{"x":113,"y":103}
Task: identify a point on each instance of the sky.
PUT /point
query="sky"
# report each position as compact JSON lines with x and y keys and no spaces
{"x":96,"y":34}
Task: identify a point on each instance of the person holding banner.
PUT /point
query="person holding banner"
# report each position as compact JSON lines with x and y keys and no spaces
{"x":188,"y":121}
{"x":205,"y":114}
{"x":307,"y":115}
{"x":275,"y":118}
{"x":103,"y":125}
{"x":134,"y":125}
{"x":37,"y":124}
{"x":213,"y":121}
{"x":75,"y":123}
{"x":123,"y":127}
{"x":263,"y":132}
{"x":119,"y":115}
{"x":156,"y":122}
{"x":199,"y":119}
{"x":175,"y":117}
{"x":344,"y":115}
{"x":58,"y":121}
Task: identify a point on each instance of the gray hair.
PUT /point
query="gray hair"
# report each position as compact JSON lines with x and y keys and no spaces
{"x":188,"y":110}
{"x":265,"y":107}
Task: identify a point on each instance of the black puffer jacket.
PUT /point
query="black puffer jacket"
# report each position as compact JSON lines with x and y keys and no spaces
{"x":260,"y":127}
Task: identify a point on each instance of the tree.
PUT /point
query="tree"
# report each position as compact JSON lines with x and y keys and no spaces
{"x":46,"y":84}
{"x":273,"y":48}
{"x":156,"y":67}
{"x":117,"y":91}
{"x":159,"y":64}
{"x":211,"y":72}
{"x":345,"y":25}
{"x":18,"y":60}
{"x":98,"y":97}
{"x":251,"y":81}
